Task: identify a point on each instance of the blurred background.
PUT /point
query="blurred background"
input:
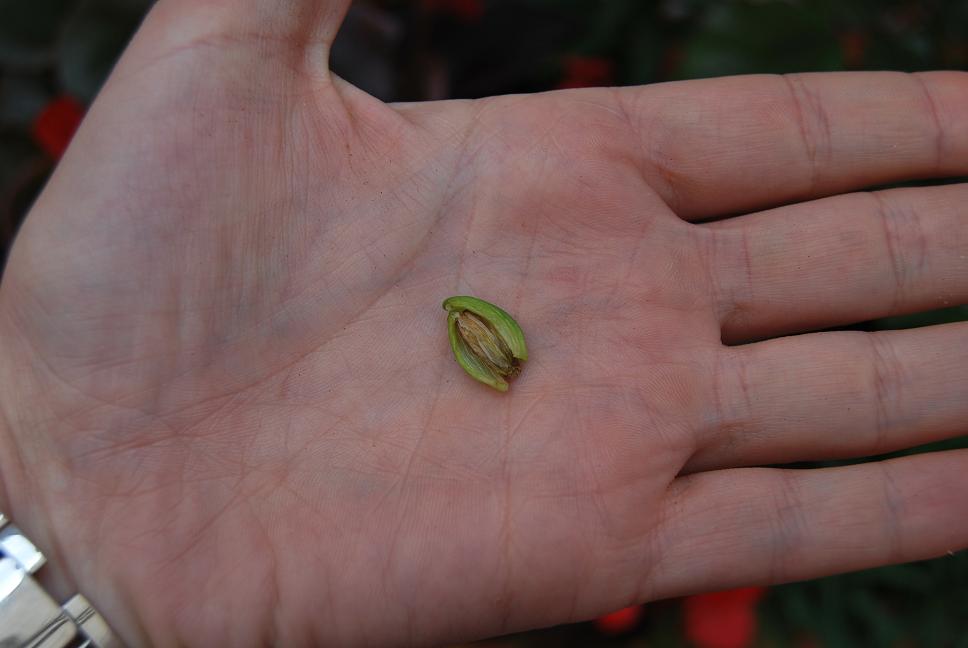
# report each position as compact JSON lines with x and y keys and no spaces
{"x":55,"y":54}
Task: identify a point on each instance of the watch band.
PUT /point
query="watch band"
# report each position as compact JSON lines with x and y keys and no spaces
{"x":29,"y":617}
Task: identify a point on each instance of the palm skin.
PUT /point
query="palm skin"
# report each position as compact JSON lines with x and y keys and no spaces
{"x":231,"y":411}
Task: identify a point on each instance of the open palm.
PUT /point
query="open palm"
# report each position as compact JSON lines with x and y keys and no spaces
{"x":232,"y":416}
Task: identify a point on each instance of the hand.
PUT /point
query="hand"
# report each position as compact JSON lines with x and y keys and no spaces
{"x":230,"y":413}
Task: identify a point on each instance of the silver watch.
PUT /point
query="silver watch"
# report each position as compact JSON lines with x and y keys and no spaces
{"x":29,"y":616}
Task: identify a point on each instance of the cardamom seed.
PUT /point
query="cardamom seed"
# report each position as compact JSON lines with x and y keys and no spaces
{"x":487,"y":343}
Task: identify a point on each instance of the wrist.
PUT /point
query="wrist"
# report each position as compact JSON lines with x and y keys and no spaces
{"x":28,"y":463}
{"x":20,"y":499}
{"x":29,"y":614}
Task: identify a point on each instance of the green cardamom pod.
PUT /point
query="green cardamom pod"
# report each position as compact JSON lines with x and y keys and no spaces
{"x":487,"y":342}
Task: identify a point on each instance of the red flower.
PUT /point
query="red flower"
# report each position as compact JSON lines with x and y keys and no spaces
{"x":466,"y":10}
{"x":620,"y":621}
{"x":722,"y":619}
{"x":586,"y":71}
{"x":54,"y":127}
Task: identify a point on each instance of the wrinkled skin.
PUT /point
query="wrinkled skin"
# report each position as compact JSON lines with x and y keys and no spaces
{"x":228,"y":409}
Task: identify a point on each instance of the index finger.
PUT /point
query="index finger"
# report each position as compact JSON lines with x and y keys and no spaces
{"x":721,"y":146}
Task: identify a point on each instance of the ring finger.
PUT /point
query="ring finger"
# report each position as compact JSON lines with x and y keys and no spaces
{"x":836,"y":395}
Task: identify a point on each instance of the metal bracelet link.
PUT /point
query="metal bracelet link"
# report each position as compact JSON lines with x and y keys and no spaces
{"x":29,"y":617}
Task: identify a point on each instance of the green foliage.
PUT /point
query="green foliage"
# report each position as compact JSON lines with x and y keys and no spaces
{"x":28,"y":30}
{"x":743,"y":37}
{"x":942,"y":316}
{"x":675,"y":39}
{"x":918,"y":604}
{"x":92,"y":38}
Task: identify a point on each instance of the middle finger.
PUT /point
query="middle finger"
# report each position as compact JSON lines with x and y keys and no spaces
{"x":840,"y":260}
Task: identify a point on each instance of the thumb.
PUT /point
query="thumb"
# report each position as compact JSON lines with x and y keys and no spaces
{"x":306,"y":28}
